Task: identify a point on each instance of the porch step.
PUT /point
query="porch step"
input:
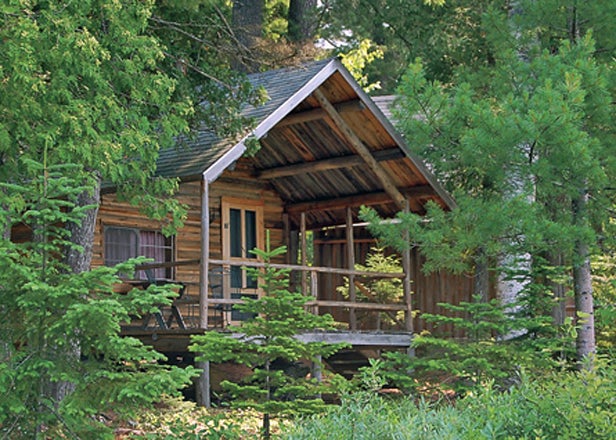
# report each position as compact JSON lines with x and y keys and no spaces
{"x":347,"y":362}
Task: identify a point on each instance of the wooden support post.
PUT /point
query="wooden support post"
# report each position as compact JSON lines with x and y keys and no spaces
{"x":203,"y":386}
{"x":314,"y":289}
{"x":317,"y":372}
{"x":406,"y":282}
{"x":286,"y":237}
{"x":304,"y":261}
{"x":351,"y":265}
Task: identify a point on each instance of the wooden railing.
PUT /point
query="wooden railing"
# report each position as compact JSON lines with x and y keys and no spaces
{"x":307,"y":288}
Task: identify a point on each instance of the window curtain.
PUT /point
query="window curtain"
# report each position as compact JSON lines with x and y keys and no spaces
{"x":120,"y":245}
{"x":152,"y":245}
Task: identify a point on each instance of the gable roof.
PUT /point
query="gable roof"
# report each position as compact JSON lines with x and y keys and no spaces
{"x":195,"y":156}
{"x":324,"y":144}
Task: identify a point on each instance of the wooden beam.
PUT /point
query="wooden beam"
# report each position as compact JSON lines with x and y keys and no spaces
{"x":361,"y":149}
{"x":328,"y":164}
{"x":337,"y":270}
{"x":368,"y":199}
{"x":314,"y":114}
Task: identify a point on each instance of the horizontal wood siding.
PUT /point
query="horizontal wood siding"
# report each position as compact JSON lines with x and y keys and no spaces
{"x":236,"y":184}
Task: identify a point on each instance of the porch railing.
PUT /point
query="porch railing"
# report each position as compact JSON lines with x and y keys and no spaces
{"x":308,"y":288}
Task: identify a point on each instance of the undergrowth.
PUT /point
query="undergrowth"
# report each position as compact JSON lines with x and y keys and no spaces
{"x":564,"y":405}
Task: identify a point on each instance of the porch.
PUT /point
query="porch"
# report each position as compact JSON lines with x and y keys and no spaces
{"x":210,"y":306}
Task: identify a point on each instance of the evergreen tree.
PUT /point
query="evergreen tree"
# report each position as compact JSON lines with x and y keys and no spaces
{"x":271,"y":337}
{"x":542,"y":115}
{"x":47,"y":311}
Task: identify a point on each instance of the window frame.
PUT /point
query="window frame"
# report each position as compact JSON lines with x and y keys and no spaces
{"x":169,"y":248}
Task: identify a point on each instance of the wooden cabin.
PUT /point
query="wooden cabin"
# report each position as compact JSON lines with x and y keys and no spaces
{"x":325,"y":150}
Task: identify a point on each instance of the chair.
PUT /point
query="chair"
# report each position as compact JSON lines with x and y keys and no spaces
{"x":175,"y":311}
{"x":216,"y":279}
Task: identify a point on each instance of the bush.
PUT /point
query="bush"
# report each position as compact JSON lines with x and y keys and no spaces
{"x":565,"y":405}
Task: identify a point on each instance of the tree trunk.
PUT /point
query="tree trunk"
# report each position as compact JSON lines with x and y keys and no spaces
{"x":582,"y":283}
{"x":82,"y":234}
{"x":302,"y":20}
{"x":248,"y":22}
{"x":482,"y":276}
{"x":78,"y":258}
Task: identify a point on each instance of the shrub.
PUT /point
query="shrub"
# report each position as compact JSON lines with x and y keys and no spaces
{"x":576,"y":405}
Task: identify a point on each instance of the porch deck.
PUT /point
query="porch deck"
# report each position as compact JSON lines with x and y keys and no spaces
{"x":177,"y":340}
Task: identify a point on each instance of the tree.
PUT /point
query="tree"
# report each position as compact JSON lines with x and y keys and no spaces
{"x":47,"y":310}
{"x":271,"y":337}
{"x":91,"y":84}
{"x":544,"y":117}
{"x":302,"y":20}
{"x":446,"y":35}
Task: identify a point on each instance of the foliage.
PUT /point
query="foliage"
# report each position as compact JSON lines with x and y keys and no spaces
{"x":268,"y":338}
{"x":492,"y":346}
{"x":604,"y":284}
{"x":445,"y":35}
{"x":564,"y":405}
{"x":179,"y":419}
{"x":380,"y":290}
{"x":519,"y":143}
{"x":358,"y":58}
{"x":59,"y":327}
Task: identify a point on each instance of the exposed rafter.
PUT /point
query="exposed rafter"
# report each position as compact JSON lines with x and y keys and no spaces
{"x":328,"y":164}
{"x":375,"y":198}
{"x":354,"y":105}
{"x":361,"y":149}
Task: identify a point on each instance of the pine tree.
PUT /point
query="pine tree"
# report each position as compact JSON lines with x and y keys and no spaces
{"x":544,"y":117}
{"x":269,"y":338}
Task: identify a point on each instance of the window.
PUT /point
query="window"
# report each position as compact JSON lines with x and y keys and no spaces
{"x":242,"y":232}
{"x":124,"y":243}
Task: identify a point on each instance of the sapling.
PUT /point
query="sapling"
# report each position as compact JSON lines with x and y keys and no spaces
{"x":268,"y":338}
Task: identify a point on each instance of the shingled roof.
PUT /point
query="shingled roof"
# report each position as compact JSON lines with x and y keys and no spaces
{"x":325,"y":145}
{"x":192,"y":157}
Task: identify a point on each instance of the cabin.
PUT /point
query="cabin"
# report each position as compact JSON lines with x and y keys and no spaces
{"x":325,"y":150}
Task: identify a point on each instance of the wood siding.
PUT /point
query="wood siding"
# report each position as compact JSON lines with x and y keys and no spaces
{"x":233,"y":184}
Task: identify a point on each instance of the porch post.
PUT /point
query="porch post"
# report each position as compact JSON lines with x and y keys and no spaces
{"x":286,"y":236}
{"x":351,"y":265}
{"x":203,"y":384}
{"x":406,"y":267}
{"x":304,"y":256}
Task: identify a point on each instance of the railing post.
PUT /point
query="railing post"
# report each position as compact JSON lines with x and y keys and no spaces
{"x":314,"y":277}
{"x":406,"y":266}
{"x":303,"y":250}
{"x":351,"y":265}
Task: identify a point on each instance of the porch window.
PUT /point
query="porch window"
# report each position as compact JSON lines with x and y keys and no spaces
{"x":124,"y":243}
